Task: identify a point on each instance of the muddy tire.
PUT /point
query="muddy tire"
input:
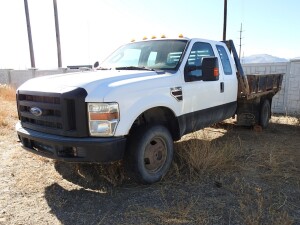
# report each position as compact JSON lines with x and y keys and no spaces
{"x":265,"y":114}
{"x":149,"y":154}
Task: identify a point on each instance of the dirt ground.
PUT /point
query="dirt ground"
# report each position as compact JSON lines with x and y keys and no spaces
{"x":246,"y":176}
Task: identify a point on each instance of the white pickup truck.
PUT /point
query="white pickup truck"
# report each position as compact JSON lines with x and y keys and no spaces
{"x":143,"y":97}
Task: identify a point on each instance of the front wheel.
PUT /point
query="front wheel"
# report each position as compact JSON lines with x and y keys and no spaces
{"x":149,"y":153}
{"x":265,"y":114}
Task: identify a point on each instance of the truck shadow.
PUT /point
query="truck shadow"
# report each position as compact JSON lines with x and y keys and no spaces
{"x":85,"y":206}
{"x":135,"y":204}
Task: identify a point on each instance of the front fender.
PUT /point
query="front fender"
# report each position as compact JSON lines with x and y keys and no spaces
{"x":129,"y":113}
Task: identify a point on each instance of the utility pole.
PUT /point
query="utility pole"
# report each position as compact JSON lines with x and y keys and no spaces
{"x":225,"y":20}
{"x":57,"y":34}
{"x":29,"y":35}
{"x":241,"y":31}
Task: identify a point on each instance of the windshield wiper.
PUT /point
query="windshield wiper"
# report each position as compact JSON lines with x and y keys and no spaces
{"x":134,"y":68}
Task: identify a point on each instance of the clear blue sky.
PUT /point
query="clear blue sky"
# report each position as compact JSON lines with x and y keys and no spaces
{"x":91,"y":29}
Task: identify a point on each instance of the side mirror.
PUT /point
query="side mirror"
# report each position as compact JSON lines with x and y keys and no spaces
{"x":96,"y":64}
{"x":210,"y":69}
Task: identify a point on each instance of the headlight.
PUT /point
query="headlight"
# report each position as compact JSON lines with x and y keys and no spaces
{"x":103,"y":118}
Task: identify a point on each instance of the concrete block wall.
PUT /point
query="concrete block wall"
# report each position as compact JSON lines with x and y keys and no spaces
{"x":17,"y":77}
{"x":287,"y":101}
{"x":4,"y":76}
{"x":293,"y":95}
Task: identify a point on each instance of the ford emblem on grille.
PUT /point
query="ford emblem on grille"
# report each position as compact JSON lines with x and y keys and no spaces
{"x":36,"y":111}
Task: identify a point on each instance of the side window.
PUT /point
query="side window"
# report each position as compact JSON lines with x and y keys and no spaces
{"x":225,"y":60}
{"x":193,"y":71}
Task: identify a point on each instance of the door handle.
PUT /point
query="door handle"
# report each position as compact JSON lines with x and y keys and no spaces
{"x":222,"y":87}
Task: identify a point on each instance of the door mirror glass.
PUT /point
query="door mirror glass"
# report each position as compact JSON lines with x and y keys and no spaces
{"x":210,"y":69}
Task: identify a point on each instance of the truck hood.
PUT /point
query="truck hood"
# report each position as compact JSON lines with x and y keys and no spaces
{"x":90,"y":80}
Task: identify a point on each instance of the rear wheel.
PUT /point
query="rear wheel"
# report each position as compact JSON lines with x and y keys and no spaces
{"x":265,"y":114}
{"x":149,"y":153}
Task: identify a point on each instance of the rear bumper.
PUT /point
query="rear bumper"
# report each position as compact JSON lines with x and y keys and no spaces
{"x":72,"y":149}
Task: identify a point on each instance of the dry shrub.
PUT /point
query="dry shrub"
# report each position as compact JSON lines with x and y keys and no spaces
{"x":113,"y":173}
{"x":199,"y":154}
{"x":3,"y":116}
{"x":7,"y":93}
{"x":8,"y":113}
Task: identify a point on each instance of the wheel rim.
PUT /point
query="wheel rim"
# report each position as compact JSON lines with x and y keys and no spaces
{"x":155,"y":154}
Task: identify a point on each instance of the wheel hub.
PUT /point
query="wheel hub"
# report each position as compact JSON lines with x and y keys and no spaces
{"x":155,"y":154}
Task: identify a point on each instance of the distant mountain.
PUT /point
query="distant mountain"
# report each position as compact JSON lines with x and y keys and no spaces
{"x":262,"y":58}
{"x":297,"y":58}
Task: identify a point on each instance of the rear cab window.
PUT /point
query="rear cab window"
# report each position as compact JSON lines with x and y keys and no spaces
{"x":224,"y":59}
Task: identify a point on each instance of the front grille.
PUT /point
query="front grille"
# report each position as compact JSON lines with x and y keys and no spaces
{"x":49,"y":106}
{"x":54,"y":113}
{"x":42,"y":99}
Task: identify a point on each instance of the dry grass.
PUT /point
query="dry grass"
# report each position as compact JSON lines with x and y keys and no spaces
{"x":180,"y":212}
{"x":255,"y":210}
{"x":7,"y":93}
{"x":201,"y":153}
{"x":7,"y":110}
{"x":289,"y":120}
{"x":173,"y":209}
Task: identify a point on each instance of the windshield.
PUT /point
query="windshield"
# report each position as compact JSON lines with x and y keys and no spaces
{"x":153,"y":55}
